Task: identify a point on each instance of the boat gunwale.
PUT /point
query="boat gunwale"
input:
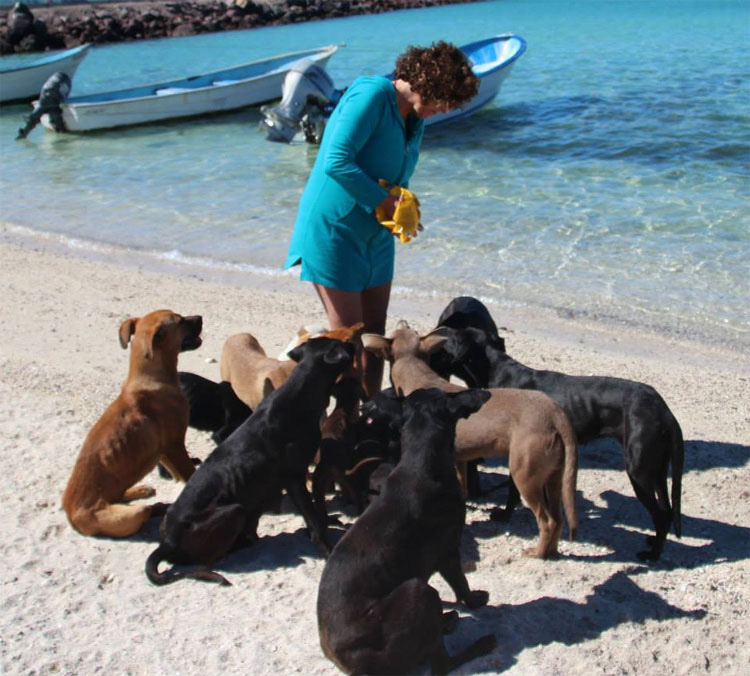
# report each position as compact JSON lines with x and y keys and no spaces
{"x":71,"y":53}
{"x":317,"y":54}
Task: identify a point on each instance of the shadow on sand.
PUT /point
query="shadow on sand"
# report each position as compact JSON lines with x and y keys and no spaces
{"x":548,"y":620}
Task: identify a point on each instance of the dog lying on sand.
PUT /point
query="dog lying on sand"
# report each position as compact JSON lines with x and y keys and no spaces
{"x":220,"y":507}
{"x":144,"y":426}
{"x":377,"y":614}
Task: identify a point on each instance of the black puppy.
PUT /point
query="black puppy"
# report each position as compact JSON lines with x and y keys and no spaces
{"x":598,"y":406}
{"x":221,"y":504}
{"x":463,"y":312}
{"x":214,"y":407}
{"x":376,"y":612}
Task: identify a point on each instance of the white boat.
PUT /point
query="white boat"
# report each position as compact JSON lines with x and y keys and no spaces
{"x":23,"y":80}
{"x":491,"y":60}
{"x":228,"y":89}
{"x":308,"y":95}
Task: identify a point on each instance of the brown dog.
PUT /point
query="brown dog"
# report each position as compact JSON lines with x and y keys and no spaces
{"x":145,"y":425}
{"x":253,"y":375}
{"x":527,"y":426}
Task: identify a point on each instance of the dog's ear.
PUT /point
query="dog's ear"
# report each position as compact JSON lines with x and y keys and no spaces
{"x":127,"y":329}
{"x":434,"y":339}
{"x":379,"y":345}
{"x":463,"y":404}
{"x":295,"y":354}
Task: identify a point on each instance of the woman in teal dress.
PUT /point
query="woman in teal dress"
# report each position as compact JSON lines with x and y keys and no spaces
{"x":374,"y":133}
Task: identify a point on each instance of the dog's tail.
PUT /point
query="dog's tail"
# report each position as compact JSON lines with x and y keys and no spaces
{"x":161,"y":553}
{"x":570,"y":470}
{"x":678,"y":461}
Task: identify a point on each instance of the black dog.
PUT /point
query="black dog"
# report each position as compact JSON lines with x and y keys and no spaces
{"x":376,"y":612}
{"x":463,"y":312}
{"x":221,"y":504}
{"x":214,"y":407}
{"x":598,"y":406}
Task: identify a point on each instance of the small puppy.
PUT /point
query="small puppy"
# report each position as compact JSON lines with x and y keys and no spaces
{"x":144,"y":426}
{"x":243,"y":477}
{"x":377,"y":614}
{"x":214,"y":407}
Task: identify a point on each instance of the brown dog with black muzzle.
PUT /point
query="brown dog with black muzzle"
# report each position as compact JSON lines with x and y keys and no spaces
{"x":145,"y":425}
{"x":527,"y":426}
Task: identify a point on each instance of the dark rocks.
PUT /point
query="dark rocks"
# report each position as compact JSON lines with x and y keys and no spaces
{"x":59,"y":26}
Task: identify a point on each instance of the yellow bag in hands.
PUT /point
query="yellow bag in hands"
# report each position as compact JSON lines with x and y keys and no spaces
{"x":407,"y":216}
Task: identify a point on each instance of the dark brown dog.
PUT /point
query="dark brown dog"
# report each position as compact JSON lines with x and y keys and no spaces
{"x":145,"y":425}
{"x":377,"y":614}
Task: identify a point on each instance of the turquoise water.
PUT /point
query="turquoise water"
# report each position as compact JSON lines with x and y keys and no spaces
{"x":610,"y":178}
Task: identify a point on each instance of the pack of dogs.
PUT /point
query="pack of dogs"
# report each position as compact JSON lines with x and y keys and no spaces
{"x":406,"y":460}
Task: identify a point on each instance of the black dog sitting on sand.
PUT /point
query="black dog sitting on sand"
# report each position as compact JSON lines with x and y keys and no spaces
{"x":377,"y":614}
{"x":220,"y":506}
{"x":633,"y":413}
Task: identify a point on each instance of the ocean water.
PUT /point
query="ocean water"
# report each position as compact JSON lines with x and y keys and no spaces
{"x":609,"y":179}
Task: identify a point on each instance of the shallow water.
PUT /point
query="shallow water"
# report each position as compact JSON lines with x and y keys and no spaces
{"x":608,"y":179}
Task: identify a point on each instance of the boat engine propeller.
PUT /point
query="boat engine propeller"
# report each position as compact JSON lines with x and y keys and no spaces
{"x":307,"y":99}
{"x":54,"y":91}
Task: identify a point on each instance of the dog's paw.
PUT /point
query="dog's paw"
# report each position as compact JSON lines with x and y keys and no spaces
{"x":648,"y":555}
{"x":450,"y":621}
{"x":138,"y":492}
{"x":477,"y":598}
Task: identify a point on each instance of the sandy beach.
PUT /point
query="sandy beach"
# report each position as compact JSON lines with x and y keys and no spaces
{"x":78,"y":605}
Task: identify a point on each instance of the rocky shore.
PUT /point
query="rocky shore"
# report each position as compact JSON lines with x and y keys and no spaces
{"x":39,"y":28}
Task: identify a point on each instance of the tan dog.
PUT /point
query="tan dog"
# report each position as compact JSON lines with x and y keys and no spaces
{"x":253,"y":375}
{"x":525,"y":425}
{"x":145,"y":425}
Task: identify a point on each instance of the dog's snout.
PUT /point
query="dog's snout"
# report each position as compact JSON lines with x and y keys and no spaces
{"x":196,"y":321}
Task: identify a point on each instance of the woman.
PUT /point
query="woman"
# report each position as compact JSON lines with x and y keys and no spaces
{"x":374,"y":133}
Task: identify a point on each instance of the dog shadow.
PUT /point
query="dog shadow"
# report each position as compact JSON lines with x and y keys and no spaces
{"x":612,"y":526}
{"x":548,"y":620}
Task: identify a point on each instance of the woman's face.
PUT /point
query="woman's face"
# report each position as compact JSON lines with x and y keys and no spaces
{"x":425,"y":109}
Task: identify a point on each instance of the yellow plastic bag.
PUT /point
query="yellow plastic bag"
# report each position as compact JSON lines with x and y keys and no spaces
{"x":406,"y":218}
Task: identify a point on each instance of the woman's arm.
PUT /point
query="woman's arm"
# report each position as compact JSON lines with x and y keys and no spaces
{"x":357,"y":120}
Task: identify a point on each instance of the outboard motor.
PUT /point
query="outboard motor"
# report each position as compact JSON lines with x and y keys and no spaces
{"x":307,"y":99}
{"x":54,"y":91}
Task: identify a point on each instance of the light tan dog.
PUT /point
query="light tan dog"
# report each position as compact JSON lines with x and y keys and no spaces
{"x":253,"y":375}
{"x":525,"y":425}
{"x":145,"y":425}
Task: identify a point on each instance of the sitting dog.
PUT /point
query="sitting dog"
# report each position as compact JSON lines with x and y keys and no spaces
{"x":528,"y":427}
{"x":144,"y":426}
{"x":598,"y":406}
{"x":253,"y":375}
{"x":214,"y":407}
{"x":243,"y":477}
{"x":377,"y":614}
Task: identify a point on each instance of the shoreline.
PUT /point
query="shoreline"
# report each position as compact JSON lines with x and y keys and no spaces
{"x":73,"y":604}
{"x":568,"y":323}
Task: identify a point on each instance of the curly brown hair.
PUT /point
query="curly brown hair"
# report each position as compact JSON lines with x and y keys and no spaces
{"x":441,"y":74}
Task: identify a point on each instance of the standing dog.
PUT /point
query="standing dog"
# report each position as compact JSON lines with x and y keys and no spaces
{"x":243,"y":477}
{"x":145,"y":425}
{"x":377,"y":614}
{"x":631,"y":412}
{"x":528,"y":427}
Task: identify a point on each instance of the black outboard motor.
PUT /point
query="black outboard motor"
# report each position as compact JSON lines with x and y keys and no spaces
{"x":307,"y":99}
{"x":54,"y":91}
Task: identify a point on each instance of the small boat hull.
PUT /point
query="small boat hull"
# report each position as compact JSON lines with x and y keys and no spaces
{"x":492,"y":61}
{"x":22,"y":83}
{"x":217,"y":92}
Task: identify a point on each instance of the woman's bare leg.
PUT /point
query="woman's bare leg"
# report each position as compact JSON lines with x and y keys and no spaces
{"x":344,"y":308}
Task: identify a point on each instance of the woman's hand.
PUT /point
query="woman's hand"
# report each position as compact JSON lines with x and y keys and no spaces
{"x":389,"y":206}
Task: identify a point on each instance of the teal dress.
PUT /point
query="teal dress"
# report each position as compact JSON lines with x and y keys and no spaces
{"x":337,"y":239}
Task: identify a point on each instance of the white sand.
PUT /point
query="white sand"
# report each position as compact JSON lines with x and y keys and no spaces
{"x":78,"y":605}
